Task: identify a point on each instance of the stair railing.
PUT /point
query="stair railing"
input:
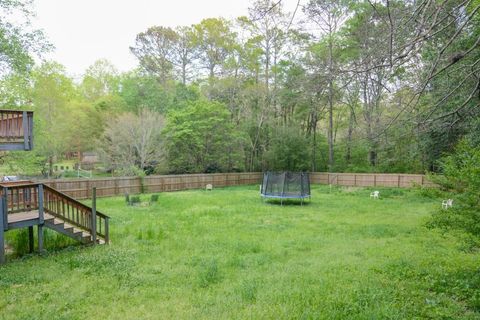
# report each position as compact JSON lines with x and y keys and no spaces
{"x":75,"y":213}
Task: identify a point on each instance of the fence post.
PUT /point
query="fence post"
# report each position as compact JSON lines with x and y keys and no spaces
{"x":94,"y":215}
{"x":116,"y":190}
{"x":88,"y":189}
{"x":398,"y":184}
{"x":374,"y":179}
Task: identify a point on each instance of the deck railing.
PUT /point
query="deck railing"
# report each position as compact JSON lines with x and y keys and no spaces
{"x":16,"y":130}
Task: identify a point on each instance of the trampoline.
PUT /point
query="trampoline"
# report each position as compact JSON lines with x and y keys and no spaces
{"x":285,"y":185}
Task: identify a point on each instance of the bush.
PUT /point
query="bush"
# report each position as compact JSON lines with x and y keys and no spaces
{"x":461,"y":176}
{"x":135,"y":200}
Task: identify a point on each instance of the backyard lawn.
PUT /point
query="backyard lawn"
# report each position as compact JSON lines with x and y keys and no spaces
{"x":227,"y":255}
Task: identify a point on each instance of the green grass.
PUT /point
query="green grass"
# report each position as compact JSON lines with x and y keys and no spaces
{"x":226,"y":255}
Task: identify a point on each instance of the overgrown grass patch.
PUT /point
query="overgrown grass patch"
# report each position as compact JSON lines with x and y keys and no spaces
{"x":226,"y":254}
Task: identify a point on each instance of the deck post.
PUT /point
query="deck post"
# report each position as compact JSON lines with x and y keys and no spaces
{"x":41,"y":217}
{"x":40,"y":238}
{"x":94,"y":215}
{"x":30,"y":132}
{"x":30,"y":239}
{"x":107,"y":235}
{"x":26,"y":142}
{"x":5,"y":208}
{"x":2,"y":231}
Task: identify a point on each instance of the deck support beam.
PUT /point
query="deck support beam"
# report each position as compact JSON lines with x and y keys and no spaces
{"x":30,"y":239}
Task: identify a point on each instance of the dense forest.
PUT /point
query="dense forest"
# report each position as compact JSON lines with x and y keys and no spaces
{"x":346,"y":86}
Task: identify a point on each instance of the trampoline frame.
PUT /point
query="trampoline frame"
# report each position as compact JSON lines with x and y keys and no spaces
{"x":302,"y":196}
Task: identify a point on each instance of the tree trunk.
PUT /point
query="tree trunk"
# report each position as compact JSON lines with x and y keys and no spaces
{"x":330,"y":107}
{"x":348,"y":153}
{"x":50,"y":166}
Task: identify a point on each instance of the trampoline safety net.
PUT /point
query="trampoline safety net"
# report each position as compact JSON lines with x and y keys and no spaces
{"x":286,"y":185}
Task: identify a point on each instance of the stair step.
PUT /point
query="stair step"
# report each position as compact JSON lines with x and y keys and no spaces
{"x":68,"y":227}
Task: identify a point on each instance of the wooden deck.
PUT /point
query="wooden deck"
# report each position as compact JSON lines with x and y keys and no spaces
{"x":23,"y":216}
{"x":26,"y":204}
{"x":26,"y":219}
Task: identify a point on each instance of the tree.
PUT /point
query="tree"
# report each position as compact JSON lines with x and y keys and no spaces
{"x":17,"y":41}
{"x":461,"y":176}
{"x":200,"y":138}
{"x":52,"y":94}
{"x":100,"y":79}
{"x":328,"y":16}
{"x":215,"y":42}
{"x":289,"y":151}
{"x":141,"y":91}
{"x":154,"y":49}
{"x":133,"y":143}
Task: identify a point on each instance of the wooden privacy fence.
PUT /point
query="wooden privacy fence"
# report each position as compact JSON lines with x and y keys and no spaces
{"x":371,"y":179}
{"x":82,"y":188}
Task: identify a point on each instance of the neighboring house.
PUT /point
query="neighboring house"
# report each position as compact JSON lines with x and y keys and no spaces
{"x":89,"y":157}
{"x":87,"y":160}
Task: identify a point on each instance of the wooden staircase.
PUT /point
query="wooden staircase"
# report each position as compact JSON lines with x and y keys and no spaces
{"x":69,"y":230}
{"x":26,"y":204}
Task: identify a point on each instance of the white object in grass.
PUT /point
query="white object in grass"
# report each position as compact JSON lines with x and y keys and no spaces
{"x":375,"y":194}
{"x":447,"y":203}
{"x":209,"y":187}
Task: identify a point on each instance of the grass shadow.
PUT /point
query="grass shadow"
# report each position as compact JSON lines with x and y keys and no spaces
{"x":288,"y":202}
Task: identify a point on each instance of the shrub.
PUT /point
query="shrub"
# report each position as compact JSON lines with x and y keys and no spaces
{"x":461,"y":176}
{"x":135,"y":200}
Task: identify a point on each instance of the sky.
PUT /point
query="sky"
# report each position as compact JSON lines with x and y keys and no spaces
{"x":84,"y":31}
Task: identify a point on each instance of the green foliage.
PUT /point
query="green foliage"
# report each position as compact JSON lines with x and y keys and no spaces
{"x":200,"y":138}
{"x":209,"y":273}
{"x":289,"y":151}
{"x":154,"y":198}
{"x":18,"y":41}
{"x":135,"y":200}
{"x":461,"y":176}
